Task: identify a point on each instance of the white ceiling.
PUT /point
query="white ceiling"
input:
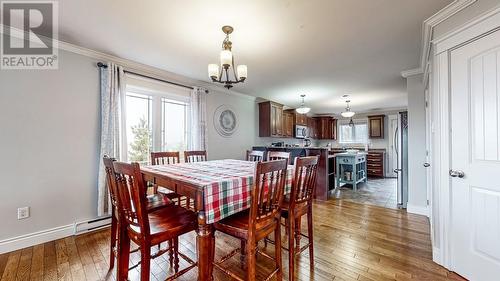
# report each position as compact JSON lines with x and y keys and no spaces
{"x":322,"y":48}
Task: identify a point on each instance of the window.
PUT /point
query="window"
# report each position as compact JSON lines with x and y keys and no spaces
{"x":358,"y":134}
{"x":174,"y":125}
{"x":157,"y":118}
{"x":138,"y":126}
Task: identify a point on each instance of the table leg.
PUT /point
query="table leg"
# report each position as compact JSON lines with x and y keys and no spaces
{"x":205,"y":241}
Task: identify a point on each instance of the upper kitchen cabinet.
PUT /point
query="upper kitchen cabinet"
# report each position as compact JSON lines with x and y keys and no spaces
{"x":270,"y":119}
{"x":327,"y":128}
{"x":376,"y":126}
{"x":288,"y":126}
{"x":312,"y":126}
{"x":300,"y":119}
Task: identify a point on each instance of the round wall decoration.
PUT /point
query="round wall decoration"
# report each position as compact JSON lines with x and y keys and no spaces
{"x":225,"y":121}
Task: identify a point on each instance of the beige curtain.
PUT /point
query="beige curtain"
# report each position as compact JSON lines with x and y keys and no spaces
{"x":198,"y":112}
{"x":112,"y":125}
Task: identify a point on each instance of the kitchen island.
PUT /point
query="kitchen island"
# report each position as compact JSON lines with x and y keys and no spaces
{"x":351,"y":168}
{"x":323,"y":182}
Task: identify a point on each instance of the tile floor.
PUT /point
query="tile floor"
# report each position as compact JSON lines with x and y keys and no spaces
{"x":379,"y":192}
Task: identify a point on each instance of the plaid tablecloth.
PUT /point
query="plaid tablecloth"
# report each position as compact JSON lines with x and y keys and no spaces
{"x":226,"y":183}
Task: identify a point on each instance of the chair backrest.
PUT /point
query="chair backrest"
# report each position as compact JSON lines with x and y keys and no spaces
{"x":255,"y":155}
{"x":267,"y":192}
{"x":195,"y":156}
{"x":278,"y":155}
{"x":111,"y":179}
{"x":132,"y":193}
{"x":304,"y":182}
{"x":162,"y":158}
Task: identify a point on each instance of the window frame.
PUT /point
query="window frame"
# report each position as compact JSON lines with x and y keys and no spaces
{"x":345,"y":122}
{"x":156,"y":121}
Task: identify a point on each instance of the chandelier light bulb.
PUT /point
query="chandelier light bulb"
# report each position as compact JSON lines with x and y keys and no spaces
{"x":226,"y":58}
{"x":213,"y":71}
{"x":242,"y":71}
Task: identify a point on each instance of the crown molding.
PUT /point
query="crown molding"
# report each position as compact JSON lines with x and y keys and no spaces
{"x":428,"y":29}
{"x":132,"y":65}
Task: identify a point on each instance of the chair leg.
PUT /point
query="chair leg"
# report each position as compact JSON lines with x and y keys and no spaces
{"x":251,"y":258}
{"x":124,"y":255}
{"x":176,"y":254}
{"x":145,"y":261}
{"x":298,"y":223}
{"x":243,"y":253}
{"x":277,"y":250}
{"x":114,"y":243}
{"x":291,"y":248}
{"x":311,"y":238}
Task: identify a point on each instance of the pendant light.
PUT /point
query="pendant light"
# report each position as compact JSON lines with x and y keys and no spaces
{"x":348,"y":113}
{"x":303,"y":109}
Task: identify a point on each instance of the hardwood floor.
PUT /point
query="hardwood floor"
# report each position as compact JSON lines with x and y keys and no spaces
{"x":352,"y":242}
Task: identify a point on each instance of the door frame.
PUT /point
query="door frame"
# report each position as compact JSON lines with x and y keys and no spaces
{"x":390,"y":147}
{"x":440,"y":123}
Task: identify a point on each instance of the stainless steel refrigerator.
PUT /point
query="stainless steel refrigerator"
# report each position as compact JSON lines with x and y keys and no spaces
{"x":401,"y":150}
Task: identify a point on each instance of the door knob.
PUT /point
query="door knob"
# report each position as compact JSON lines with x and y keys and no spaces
{"x":397,"y":170}
{"x":427,"y":164}
{"x":457,"y":173}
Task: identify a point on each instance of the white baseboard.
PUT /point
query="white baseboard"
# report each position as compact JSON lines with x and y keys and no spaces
{"x":419,"y":210}
{"x":436,"y":255}
{"x":35,"y":238}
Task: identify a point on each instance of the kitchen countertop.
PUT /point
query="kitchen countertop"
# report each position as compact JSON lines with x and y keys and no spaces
{"x":292,"y":147}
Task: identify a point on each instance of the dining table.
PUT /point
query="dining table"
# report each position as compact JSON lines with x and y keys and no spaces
{"x":219,"y":188}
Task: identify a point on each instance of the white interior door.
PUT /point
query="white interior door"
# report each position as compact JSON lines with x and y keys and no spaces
{"x":475,"y":141}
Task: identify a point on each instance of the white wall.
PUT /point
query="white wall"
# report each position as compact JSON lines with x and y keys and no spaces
{"x":243,"y":139}
{"x":49,"y":145}
{"x":49,"y":142}
{"x":417,"y":186}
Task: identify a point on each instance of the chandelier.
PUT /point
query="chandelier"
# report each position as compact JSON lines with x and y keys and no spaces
{"x":227,"y":74}
{"x":303,"y":109}
{"x":348,"y":113}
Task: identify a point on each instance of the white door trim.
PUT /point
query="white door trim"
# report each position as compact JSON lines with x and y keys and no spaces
{"x":440,"y":224}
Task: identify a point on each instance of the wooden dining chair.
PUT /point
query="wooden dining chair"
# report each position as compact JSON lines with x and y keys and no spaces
{"x":148,"y":228}
{"x":153,"y":202}
{"x":262,"y":219}
{"x":167,"y":158}
{"x":278,"y":155}
{"x":255,"y":155}
{"x":195,"y":156}
{"x":298,"y":204}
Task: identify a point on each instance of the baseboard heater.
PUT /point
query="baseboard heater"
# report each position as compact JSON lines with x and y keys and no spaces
{"x":91,"y":225}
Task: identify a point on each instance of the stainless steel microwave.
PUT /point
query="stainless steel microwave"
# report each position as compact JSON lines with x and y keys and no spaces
{"x":300,"y":132}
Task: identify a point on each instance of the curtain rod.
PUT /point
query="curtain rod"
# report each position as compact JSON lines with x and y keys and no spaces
{"x":102,"y":65}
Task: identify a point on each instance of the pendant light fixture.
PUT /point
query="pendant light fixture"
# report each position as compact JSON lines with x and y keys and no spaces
{"x":348,"y":113}
{"x":225,"y":75}
{"x":303,"y":109}
{"x":351,"y":123}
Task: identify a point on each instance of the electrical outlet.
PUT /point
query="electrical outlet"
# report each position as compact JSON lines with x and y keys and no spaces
{"x":23,"y":213}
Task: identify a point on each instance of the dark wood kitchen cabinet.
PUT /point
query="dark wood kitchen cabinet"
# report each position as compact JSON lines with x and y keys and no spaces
{"x":375,"y":163}
{"x":300,"y":119}
{"x":327,"y":128}
{"x":376,"y":126}
{"x":288,"y":126}
{"x":312,"y":128}
{"x":270,"y":119}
